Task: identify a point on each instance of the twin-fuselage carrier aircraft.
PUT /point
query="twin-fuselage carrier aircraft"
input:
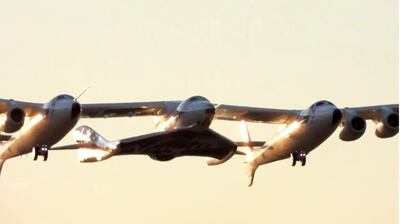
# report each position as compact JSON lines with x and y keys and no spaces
{"x":184,"y":129}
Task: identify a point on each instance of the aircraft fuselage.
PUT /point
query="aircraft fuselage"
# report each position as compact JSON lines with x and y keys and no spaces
{"x":195,"y":112}
{"x":43,"y":130}
{"x":315,"y":125}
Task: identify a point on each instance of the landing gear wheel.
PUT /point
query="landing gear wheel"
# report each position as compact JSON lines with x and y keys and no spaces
{"x":303,"y":161}
{"x":46,"y":155}
{"x":41,"y":151}
{"x":294,"y":155}
{"x":302,"y":158}
{"x":36,"y":154}
{"x":299,"y":156}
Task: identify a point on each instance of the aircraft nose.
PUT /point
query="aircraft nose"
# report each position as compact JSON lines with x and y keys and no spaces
{"x":75,"y":110}
{"x":336,"y":116}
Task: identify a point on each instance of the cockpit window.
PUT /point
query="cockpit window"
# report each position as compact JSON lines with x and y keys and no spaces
{"x":60,"y":97}
{"x":194,"y":98}
{"x":322,"y":102}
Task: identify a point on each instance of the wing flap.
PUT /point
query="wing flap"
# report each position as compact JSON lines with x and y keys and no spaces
{"x":254,"y":114}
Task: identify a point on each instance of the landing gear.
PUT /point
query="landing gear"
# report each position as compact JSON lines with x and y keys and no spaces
{"x":294,"y":156}
{"x":299,"y":156}
{"x":303,"y":160}
{"x":41,"y":151}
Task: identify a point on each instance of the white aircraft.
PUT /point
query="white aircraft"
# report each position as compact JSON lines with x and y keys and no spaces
{"x":185,"y":129}
{"x":307,"y":129}
{"x":26,"y":126}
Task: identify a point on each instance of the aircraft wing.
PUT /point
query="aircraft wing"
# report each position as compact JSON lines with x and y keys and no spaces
{"x":30,"y":109}
{"x":180,"y":142}
{"x":373,"y":112}
{"x":280,"y":116}
{"x":106,"y":110}
{"x":255,"y":114}
{"x":160,"y":146}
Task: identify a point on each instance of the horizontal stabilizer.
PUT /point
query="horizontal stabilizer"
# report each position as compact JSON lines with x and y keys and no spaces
{"x":253,"y":143}
{"x":74,"y":146}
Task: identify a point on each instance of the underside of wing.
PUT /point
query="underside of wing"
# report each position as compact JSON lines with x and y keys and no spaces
{"x":169,"y":144}
{"x":106,"y":110}
{"x":254,"y":114}
{"x":386,"y":118}
{"x":14,"y":114}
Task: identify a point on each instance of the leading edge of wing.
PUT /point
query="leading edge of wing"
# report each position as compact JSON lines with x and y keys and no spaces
{"x":255,"y":114}
{"x":30,"y":109}
{"x":128,"y":109}
{"x":373,"y":112}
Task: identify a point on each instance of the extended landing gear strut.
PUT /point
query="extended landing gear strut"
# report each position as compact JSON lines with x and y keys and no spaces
{"x":41,"y":151}
{"x":299,"y":156}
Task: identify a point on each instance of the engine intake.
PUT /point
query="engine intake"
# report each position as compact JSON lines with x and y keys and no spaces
{"x":354,"y":127}
{"x":13,"y":120}
{"x":388,"y":125}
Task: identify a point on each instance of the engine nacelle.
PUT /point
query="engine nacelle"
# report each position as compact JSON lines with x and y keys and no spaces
{"x":354,"y":126}
{"x":388,"y":124}
{"x":12,"y":121}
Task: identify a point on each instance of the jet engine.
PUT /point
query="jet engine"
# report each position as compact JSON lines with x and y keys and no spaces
{"x":388,"y":124}
{"x":12,"y":120}
{"x":354,"y":126}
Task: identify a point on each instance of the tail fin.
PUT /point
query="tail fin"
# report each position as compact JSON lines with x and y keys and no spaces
{"x":100,"y":148}
{"x":250,"y":153}
{"x":248,"y":145}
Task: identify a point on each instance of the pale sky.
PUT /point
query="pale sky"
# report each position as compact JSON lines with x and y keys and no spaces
{"x":277,"y":54}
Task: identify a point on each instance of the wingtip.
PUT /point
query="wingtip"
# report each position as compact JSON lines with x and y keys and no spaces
{"x":214,"y":162}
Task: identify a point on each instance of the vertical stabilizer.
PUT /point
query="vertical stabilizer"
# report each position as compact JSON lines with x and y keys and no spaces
{"x":250,"y":152}
{"x":245,"y":134}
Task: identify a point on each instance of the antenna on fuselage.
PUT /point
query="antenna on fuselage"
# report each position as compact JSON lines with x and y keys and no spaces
{"x":84,"y":91}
